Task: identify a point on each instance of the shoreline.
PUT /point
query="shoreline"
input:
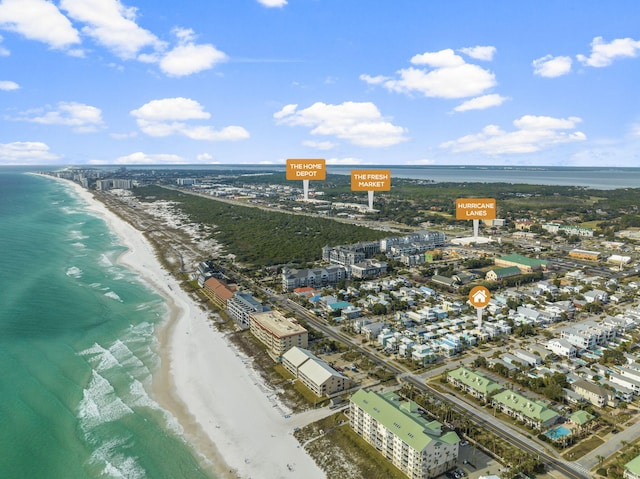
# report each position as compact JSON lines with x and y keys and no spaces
{"x":231,"y":419}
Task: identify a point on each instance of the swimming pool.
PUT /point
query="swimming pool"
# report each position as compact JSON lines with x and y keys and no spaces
{"x":557,"y":432}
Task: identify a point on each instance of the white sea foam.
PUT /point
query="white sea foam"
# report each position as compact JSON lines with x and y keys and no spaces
{"x":74,"y":272}
{"x":76,"y":235}
{"x":113,"y":295}
{"x":79,"y":245}
{"x":105,"y":260}
{"x":115,"y":464}
{"x":125,"y":357}
{"x":100,"y":403}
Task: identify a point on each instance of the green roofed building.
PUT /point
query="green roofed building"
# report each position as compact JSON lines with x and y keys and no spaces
{"x":535,"y":414}
{"x":499,"y":274}
{"x":632,"y":469}
{"x":526,"y":265}
{"x":581,"y":418}
{"x":473,"y":383}
{"x":419,"y":448}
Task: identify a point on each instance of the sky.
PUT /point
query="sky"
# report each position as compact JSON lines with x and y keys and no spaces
{"x":371,"y":82}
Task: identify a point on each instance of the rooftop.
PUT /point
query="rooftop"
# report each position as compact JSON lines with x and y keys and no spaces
{"x":277,"y":324}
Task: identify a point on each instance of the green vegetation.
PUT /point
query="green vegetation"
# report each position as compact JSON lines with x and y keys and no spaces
{"x":340,"y":452}
{"x":260,"y":237}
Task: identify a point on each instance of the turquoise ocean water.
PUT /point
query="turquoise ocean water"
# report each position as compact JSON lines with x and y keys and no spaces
{"x":77,"y":347}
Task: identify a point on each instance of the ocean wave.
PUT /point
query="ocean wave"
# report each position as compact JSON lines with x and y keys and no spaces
{"x":76,"y":235}
{"x":74,"y":272}
{"x":79,"y":245}
{"x":114,"y":463}
{"x":100,"y":403}
{"x":125,"y":357}
{"x":113,"y":295}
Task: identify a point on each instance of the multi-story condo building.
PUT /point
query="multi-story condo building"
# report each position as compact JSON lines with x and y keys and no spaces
{"x":240,"y":306}
{"x":568,"y":229}
{"x":314,"y":277}
{"x":427,"y":239}
{"x":416,"y":446}
{"x":278,"y":333}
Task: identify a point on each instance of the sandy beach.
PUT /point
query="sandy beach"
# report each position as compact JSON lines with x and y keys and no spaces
{"x":226,"y":411}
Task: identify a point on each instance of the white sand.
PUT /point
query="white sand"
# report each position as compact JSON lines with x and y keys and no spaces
{"x":225,"y":409}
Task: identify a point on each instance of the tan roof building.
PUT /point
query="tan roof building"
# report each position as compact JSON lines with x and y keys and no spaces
{"x":278,"y":333}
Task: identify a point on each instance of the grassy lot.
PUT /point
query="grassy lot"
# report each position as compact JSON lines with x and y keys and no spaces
{"x":582,"y":448}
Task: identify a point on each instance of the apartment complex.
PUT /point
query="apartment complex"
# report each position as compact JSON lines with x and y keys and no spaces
{"x":278,"y":333}
{"x":535,"y":414}
{"x":313,"y":277}
{"x":419,"y":448}
{"x":314,"y":373}
{"x":476,"y":384}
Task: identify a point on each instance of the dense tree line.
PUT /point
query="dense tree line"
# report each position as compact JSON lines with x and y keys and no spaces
{"x":260,"y":237}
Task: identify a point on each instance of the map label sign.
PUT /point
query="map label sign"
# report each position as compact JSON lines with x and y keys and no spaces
{"x":370,"y":180}
{"x":476,"y":209}
{"x":312,"y":169}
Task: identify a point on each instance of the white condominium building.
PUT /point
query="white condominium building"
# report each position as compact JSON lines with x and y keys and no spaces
{"x":416,"y":446}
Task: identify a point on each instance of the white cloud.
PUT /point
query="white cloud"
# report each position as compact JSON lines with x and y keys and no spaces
{"x":8,"y":85}
{"x":188,"y":58}
{"x":320,"y":145}
{"x":205,"y":158}
{"x":83,"y":118}
{"x":38,"y":20}
{"x":3,"y":51}
{"x":111,"y":24}
{"x":603,"y":54}
{"x":359,"y":123}
{"x":273,"y":3}
{"x":26,"y":153}
{"x":532,"y":134}
{"x":480,"y":53}
{"x":551,"y":67}
{"x":169,"y":116}
{"x":481,"y":102}
{"x":344,"y":161}
{"x":124,"y":136}
{"x":447,"y":76}
{"x":171,"y":109}
{"x":140,"y":158}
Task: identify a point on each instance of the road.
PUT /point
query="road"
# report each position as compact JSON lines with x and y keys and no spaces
{"x":487,"y":421}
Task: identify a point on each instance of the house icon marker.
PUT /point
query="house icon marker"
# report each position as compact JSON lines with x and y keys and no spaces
{"x":479,"y":296}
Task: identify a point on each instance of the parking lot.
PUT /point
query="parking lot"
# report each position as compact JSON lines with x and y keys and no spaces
{"x":473,"y":463}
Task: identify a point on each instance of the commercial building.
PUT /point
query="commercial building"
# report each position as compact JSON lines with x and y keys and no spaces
{"x":419,"y":448}
{"x":585,"y":254}
{"x":314,"y":373}
{"x":278,"y":333}
{"x":499,"y":274}
{"x":526,"y":265}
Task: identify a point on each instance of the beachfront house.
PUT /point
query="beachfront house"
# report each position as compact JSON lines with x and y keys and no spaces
{"x":314,"y":373}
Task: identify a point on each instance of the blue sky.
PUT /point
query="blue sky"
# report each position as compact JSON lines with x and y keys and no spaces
{"x":355,"y":82}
